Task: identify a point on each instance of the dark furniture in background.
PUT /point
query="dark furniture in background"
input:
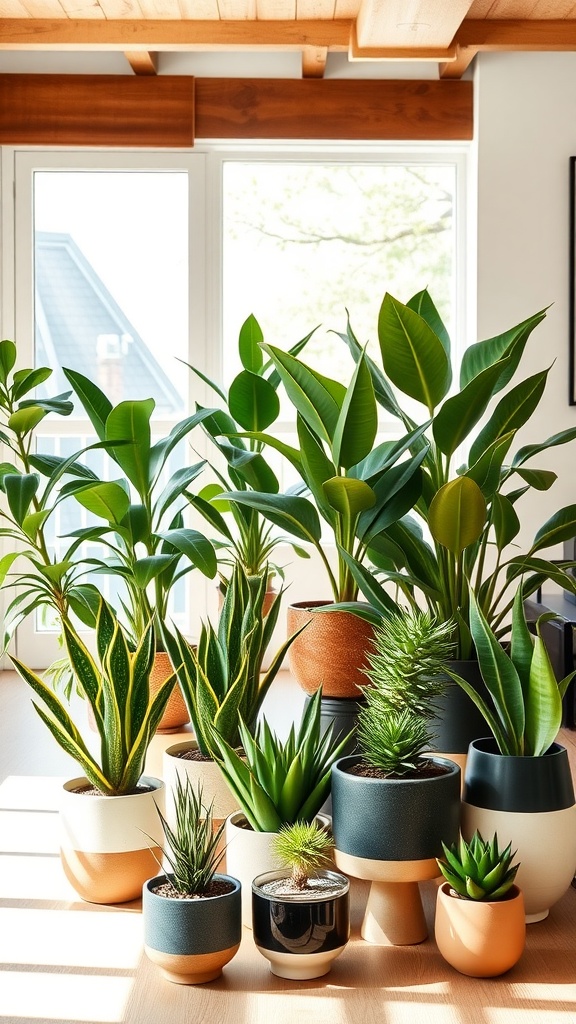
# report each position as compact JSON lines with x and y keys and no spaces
{"x":559,"y":635}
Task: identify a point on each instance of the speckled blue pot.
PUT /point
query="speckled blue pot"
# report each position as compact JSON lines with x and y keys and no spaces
{"x":191,"y":939}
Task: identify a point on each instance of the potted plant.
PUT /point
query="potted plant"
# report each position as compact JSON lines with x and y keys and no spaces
{"x":192,"y":914}
{"x":413,"y":796}
{"x":250,"y":404}
{"x":458,"y":534}
{"x":105,"y":813}
{"x":276,"y":782}
{"x":301,"y":920}
{"x":149,"y":546}
{"x":222,"y":682}
{"x":479,"y":926}
{"x":356,"y":488}
{"x":518,"y":781}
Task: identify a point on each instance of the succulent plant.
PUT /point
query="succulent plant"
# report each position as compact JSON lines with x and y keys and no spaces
{"x":406,"y":663}
{"x":305,"y":848}
{"x":192,"y":845}
{"x":479,"y":870}
{"x":390,"y":739}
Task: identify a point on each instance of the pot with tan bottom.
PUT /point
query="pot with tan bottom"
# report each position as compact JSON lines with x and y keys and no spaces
{"x":104,"y":846}
{"x":480,"y":938}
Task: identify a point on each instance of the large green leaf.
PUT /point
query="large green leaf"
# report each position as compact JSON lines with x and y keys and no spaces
{"x":23,"y":421}
{"x":148,"y":568}
{"x":543,"y":701}
{"x":316,"y":467}
{"x":195,"y":546}
{"x":296,"y":515}
{"x":501,"y":679}
{"x":559,"y":527}
{"x":20,"y":490}
{"x":485,"y":353}
{"x":27,"y":380}
{"x":358,"y":420}
{"x":317,"y":398}
{"x":130,"y":422}
{"x":457,"y":514}
{"x":397,"y":491}
{"x":177,"y":484}
{"x":384,"y":393}
{"x":422,"y":304}
{"x":539,"y":479}
{"x":413,"y":356}
{"x":96,"y":405}
{"x":487,"y":471}
{"x":252,"y":401}
{"x":7,"y":359}
{"x":249,"y":341}
{"x":505,"y":521}
{"x":460,"y":413}
{"x":108,"y":500}
{"x":529,"y":450}
{"x":349,"y":497}
{"x":511,"y":413}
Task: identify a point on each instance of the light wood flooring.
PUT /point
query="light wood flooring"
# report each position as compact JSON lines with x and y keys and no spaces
{"x":66,"y":962}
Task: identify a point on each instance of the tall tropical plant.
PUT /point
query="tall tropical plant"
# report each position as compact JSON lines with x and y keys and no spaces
{"x":148,"y":545}
{"x":459,"y":533}
{"x":356,"y":488}
{"x":116,"y":686}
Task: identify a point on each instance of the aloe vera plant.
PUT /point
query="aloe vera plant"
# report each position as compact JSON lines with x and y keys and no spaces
{"x":116,"y":686}
{"x":222,"y":680}
{"x":479,"y":870}
{"x":524,"y":713}
{"x":278,"y":782}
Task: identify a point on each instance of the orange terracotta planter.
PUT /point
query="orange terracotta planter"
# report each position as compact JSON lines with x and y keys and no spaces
{"x":176,"y":713}
{"x":480,"y":939}
{"x":330,"y":652}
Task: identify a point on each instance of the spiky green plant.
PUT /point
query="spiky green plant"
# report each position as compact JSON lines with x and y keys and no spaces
{"x":305,"y":848}
{"x":479,"y":870}
{"x":222,"y":681}
{"x":276,"y":782}
{"x":406,"y":663}
{"x":116,"y":686}
{"x":192,"y":845}
{"x":390,"y":739}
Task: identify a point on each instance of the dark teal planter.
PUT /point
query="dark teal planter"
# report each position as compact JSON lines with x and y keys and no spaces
{"x":458,"y":721}
{"x":191,"y":939}
{"x":521,"y":784}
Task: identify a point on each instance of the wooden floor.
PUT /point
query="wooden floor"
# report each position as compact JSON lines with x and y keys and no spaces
{"x":64,"y":962}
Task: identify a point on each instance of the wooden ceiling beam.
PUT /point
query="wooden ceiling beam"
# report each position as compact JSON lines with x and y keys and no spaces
{"x":132,"y":36}
{"x":314,"y":61}
{"x":409,"y":24}
{"x":142,"y":62}
{"x":454,"y":69}
{"x":436,"y":53}
{"x":495,"y":34}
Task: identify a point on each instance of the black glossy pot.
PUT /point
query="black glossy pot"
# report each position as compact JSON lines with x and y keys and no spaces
{"x":458,"y":721}
{"x":522,"y":784}
{"x":300,"y":935}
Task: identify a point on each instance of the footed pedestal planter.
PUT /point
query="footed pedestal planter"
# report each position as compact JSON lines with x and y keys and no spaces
{"x":480,"y":938}
{"x":104,"y":846}
{"x":390,"y":831}
{"x":301,"y":934}
{"x":191,"y":939}
{"x":528,"y":801}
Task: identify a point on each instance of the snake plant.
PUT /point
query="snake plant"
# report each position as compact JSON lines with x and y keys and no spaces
{"x":479,"y":870}
{"x":116,"y":687}
{"x":192,"y":845}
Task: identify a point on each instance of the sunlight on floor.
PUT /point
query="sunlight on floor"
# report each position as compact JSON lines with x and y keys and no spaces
{"x":29,"y":831}
{"x":92,"y":939}
{"x":34,"y":878}
{"x":83,"y":998}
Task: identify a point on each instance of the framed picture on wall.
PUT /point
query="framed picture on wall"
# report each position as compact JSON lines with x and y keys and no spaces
{"x":572,"y":286}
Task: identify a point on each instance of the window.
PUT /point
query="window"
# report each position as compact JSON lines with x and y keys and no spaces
{"x":136,"y":261}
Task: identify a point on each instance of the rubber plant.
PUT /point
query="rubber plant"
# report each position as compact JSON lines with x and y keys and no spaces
{"x":459,"y":531}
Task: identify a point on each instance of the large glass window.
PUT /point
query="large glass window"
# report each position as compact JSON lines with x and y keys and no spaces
{"x":128,"y":265}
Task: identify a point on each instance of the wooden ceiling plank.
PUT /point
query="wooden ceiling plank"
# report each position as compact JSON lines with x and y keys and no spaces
{"x":70,"y":34}
{"x":142,"y":62}
{"x":496,"y":34}
{"x":314,"y":61}
{"x":205,"y":10}
{"x":276,"y":10}
{"x":83,"y":9}
{"x":121,"y":9}
{"x":409,"y":24}
{"x":152,"y":9}
{"x":15,"y":9}
{"x":236,"y":10}
{"x":346,"y":8}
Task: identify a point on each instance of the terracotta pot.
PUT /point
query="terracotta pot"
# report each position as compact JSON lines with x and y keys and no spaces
{"x":480,"y":939}
{"x":104,"y":846}
{"x":330,"y":652}
{"x":176,"y":713}
{"x":191,"y":939}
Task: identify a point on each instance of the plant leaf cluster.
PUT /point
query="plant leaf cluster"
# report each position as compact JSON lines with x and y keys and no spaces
{"x":304,"y":847}
{"x":479,"y":870}
{"x":470,"y":510}
{"x":192,"y":845}
{"x":116,"y":687}
{"x":278,"y":782}
{"x":524,"y":710}
{"x":390,"y":739}
{"x":222,"y":680}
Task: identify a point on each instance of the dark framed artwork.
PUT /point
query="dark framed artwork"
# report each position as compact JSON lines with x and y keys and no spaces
{"x":572,"y":287}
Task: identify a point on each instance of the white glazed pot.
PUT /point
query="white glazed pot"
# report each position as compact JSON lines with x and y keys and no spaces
{"x":104,"y":846}
{"x":204,"y":773}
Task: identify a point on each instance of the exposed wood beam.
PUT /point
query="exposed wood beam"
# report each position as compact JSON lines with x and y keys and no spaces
{"x":129,"y":35}
{"x":142,"y":62}
{"x":314,"y":61}
{"x":457,"y":67}
{"x":410,"y":24}
{"x":333,"y":109}
{"x":437,"y":53}
{"x":494,"y":34}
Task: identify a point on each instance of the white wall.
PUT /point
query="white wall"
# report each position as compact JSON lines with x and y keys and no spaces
{"x":525,"y":134}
